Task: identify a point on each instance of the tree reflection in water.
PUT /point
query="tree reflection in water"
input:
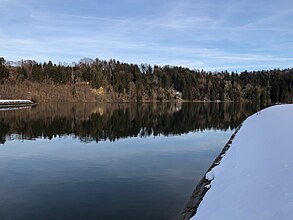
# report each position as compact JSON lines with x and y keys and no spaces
{"x":96,"y":122}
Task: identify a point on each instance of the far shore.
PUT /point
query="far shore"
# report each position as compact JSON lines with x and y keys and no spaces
{"x":134,"y":101}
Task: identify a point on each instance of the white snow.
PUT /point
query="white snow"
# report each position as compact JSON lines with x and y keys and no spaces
{"x":254,"y":180}
{"x":207,"y":186}
{"x":14,"y":101}
{"x":210,"y":175}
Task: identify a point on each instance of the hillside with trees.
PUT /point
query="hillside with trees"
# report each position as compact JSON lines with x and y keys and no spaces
{"x":97,"y":80}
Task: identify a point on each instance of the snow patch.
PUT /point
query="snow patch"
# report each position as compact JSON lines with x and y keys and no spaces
{"x":207,"y":186}
{"x":12,"y":101}
{"x":210,"y":175}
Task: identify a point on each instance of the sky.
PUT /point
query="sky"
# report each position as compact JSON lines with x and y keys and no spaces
{"x":214,"y":35}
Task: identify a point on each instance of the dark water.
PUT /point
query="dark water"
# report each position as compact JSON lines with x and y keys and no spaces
{"x":118,"y":161}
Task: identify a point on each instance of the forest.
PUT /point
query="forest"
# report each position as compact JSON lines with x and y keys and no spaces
{"x":132,"y":82}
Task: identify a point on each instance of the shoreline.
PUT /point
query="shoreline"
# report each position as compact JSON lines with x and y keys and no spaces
{"x":134,"y":101}
{"x":252,"y":168}
{"x":203,"y":186}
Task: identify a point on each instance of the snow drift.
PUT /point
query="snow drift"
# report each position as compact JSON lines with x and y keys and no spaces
{"x":254,"y":179}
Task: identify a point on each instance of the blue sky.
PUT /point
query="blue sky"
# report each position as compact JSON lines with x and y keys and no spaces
{"x":211,"y":35}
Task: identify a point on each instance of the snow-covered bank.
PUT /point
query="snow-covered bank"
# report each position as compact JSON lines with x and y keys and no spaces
{"x":7,"y":103}
{"x":254,"y":179}
{"x":15,"y":101}
{"x":13,"y":104}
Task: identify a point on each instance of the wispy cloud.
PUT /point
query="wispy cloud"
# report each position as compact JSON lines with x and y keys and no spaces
{"x":175,"y":21}
{"x":203,"y":34}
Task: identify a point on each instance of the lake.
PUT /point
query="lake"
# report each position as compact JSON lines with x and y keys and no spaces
{"x":109,"y":161}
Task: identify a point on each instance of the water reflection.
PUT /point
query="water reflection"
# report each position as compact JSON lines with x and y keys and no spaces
{"x":95,"y":122}
{"x":112,"y":161}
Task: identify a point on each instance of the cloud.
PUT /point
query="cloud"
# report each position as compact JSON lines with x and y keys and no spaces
{"x":202,"y":34}
{"x":175,"y":21}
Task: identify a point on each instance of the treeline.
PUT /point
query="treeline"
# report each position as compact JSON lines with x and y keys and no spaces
{"x":145,"y":82}
{"x":90,"y":122}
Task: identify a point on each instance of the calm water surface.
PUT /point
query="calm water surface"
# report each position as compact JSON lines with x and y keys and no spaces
{"x":114,"y":161}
